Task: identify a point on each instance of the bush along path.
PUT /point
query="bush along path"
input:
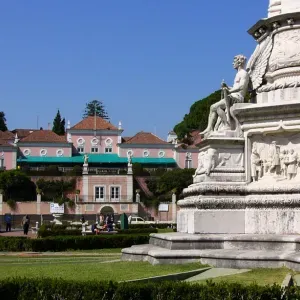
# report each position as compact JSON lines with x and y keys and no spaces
{"x":64,"y":243}
{"x":36,"y":289}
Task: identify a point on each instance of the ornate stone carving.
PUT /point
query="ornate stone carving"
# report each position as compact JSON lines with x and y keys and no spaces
{"x":207,"y":161}
{"x":256,"y":164}
{"x":258,"y":62}
{"x":286,"y":51}
{"x":257,"y":201}
{"x":278,"y":157}
{"x":292,"y":164}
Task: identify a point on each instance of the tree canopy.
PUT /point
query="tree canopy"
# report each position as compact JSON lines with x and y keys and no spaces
{"x":95,"y":107}
{"x":173,"y":181}
{"x":17,"y":186}
{"x":59,"y":124}
{"x":3,"y":126}
{"x":198,"y":116}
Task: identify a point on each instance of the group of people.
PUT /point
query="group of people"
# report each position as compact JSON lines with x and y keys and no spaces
{"x":25,"y":223}
{"x":104,"y":223}
{"x":280,"y":162}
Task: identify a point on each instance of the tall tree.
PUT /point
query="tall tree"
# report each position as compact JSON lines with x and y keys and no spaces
{"x":95,"y":107}
{"x":197,"y":117}
{"x":59,"y":124}
{"x":3,"y":126}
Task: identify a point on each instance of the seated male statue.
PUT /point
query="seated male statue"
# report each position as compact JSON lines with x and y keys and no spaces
{"x":231,"y":95}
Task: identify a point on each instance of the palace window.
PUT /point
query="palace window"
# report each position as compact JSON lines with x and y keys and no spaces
{"x":94,"y":149}
{"x":99,"y":193}
{"x":115,"y":193}
{"x":1,"y":163}
{"x":80,"y":149}
{"x":108,"y":150}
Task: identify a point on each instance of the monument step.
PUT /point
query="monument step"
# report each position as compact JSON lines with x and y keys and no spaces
{"x":184,"y":241}
{"x":220,"y":258}
{"x":216,"y":272}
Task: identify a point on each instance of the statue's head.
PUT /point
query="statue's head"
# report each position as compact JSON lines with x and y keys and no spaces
{"x":239,"y":61}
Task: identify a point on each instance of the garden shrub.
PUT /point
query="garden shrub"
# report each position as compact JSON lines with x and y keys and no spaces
{"x":65,"y":243}
{"x":46,"y":288}
{"x":57,"y":230}
{"x":138,"y":231}
{"x":156,"y":225}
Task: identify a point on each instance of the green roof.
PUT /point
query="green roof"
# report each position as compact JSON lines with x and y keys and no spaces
{"x":95,"y":158}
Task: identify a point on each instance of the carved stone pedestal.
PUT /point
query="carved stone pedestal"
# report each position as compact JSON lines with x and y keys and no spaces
{"x":85,"y":170}
{"x":221,"y":160}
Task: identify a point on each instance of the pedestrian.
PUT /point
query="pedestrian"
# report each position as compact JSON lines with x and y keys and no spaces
{"x":82,"y":219}
{"x":8,"y":223}
{"x":25,"y":223}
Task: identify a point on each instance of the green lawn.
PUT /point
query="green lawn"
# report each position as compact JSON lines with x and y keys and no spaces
{"x":85,"y":268}
{"x":258,"y":276}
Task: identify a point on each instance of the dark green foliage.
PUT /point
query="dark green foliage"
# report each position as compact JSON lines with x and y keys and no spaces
{"x":46,"y":288}
{"x":59,"y":124}
{"x":138,"y":170}
{"x":198,"y":115}
{"x":57,"y":230}
{"x":51,"y":170}
{"x":64,"y":243}
{"x":151,"y":226}
{"x":12,"y":243}
{"x":95,"y":107}
{"x":138,"y":231}
{"x":76,"y":171}
{"x":12,"y":204}
{"x":17,"y":186}
{"x":55,"y":190}
{"x":3,"y":126}
{"x":170,"y":182}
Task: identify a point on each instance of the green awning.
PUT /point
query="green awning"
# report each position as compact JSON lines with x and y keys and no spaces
{"x":95,"y":158}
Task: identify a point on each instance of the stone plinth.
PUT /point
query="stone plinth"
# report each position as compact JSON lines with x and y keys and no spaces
{"x":226,"y":162}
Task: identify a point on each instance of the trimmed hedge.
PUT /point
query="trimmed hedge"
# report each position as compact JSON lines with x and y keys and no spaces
{"x":57,"y":230}
{"x":36,"y":289}
{"x":138,"y":231}
{"x":156,"y":225}
{"x":65,"y":243}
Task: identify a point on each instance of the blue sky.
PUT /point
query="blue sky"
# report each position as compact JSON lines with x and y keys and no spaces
{"x":147,"y":60}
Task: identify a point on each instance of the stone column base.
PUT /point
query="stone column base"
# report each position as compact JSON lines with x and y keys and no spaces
{"x":249,"y":221}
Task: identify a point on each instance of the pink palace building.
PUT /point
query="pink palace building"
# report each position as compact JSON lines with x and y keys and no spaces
{"x":106,"y":182}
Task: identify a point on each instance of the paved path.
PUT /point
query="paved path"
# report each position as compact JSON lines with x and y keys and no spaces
{"x":216,"y":272}
{"x":45,"y":254}
{"x":17,"y":233}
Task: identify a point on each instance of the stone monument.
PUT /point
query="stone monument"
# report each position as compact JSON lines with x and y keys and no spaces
{"x":246,"y":190}
{"x":249,"y":162}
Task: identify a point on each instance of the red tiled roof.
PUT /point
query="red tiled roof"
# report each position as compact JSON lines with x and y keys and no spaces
{"x":145,"y":138}
{"x":89,"y":124}
{"x":126,"y":138}
{"x":23,"y":132}
{"x":5,"y":143}
{"x":6,"y":135}
{"x":44,"y":136}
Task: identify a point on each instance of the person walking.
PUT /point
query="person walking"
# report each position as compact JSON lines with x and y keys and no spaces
{"x":8,"y":223}
{"x":25,"y":223}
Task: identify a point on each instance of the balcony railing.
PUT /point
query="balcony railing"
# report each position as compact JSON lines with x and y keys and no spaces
{"x":105,"y":199}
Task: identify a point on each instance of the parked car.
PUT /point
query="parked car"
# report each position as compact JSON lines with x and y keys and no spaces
{"x":139,"y":220}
